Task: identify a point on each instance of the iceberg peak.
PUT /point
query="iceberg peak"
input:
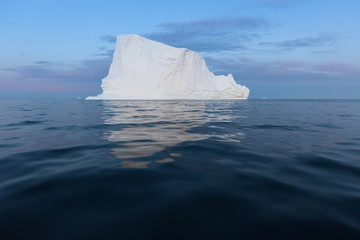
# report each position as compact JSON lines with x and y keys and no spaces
{"x":146,"y":69}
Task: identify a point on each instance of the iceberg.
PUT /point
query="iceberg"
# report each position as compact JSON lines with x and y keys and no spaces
{"x":150,"y":70}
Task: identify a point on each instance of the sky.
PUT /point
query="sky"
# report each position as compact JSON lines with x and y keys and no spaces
{"x":277,"y":48}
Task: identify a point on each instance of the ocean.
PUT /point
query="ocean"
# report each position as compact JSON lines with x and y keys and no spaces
{"x":234,"y":169}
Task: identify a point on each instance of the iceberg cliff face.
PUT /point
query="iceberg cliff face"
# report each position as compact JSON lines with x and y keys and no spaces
{"x":145,"y":69}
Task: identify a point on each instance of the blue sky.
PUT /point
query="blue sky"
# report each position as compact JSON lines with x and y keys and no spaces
{"x":278,"y":48}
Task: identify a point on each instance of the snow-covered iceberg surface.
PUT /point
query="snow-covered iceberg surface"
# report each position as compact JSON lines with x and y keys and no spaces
{"x":145,"y":69}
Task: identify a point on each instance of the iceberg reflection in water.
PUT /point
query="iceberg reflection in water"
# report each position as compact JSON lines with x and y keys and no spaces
{"x":147,"y":128}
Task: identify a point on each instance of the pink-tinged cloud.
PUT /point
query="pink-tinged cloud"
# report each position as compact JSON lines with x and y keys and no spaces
{"x":33,"y":85}
{"x":290,"y":64}
{"x":87,"y":70}
{"x":284,"y":70}
{"x":44,"y":87}
{"x":338,"y":68}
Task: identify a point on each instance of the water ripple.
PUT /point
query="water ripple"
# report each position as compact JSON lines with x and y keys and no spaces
{"x":276,"y":169}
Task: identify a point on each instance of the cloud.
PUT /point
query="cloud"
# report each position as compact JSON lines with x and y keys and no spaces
{"x":85,"y":71}
{"x":60,"y":77}
{"x":322,"y":52}
{"x":106,"y":53}
{"x":338,"y":68}
{"x":246,"y":70}
{"x":108,"y":38}
{"x":43,"y":62}
{"x":322,"y":40}
{"x":283,"y":3}
{"x":216,"y":24}
{"x":209,"y":35}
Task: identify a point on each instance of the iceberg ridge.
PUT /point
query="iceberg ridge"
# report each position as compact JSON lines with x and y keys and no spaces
{"x":146,"y":69}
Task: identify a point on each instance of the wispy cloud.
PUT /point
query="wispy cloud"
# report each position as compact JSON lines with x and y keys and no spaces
{"x":108,"y":38}
{"x":283,"y":70}
{"x":322,"y":52}
{"x":61,"y":77}
{"x":84,"y":71}
{"x":284,"y":3}
{"x":106,"y":53}
{"x":322,"y":40}
{"x":43,"y":62}
{"x":212,"y":34}
{"x":338,"y":68}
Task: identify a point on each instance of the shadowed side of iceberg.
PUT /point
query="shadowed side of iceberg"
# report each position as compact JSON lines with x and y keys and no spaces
{"x":145,"y":69}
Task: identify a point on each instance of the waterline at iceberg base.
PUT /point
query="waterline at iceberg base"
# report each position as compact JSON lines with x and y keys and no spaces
{"x":146,"y":69}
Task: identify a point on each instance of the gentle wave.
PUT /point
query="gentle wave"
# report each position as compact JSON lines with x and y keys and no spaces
{"x":179,"y":169}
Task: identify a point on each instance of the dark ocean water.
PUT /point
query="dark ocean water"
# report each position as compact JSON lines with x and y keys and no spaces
{"x":254,"y":169}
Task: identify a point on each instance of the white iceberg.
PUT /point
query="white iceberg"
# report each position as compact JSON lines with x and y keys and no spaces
{"x":146,"y":69}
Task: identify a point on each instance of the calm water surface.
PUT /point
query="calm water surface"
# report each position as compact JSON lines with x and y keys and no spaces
{"x":254,"y":169}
